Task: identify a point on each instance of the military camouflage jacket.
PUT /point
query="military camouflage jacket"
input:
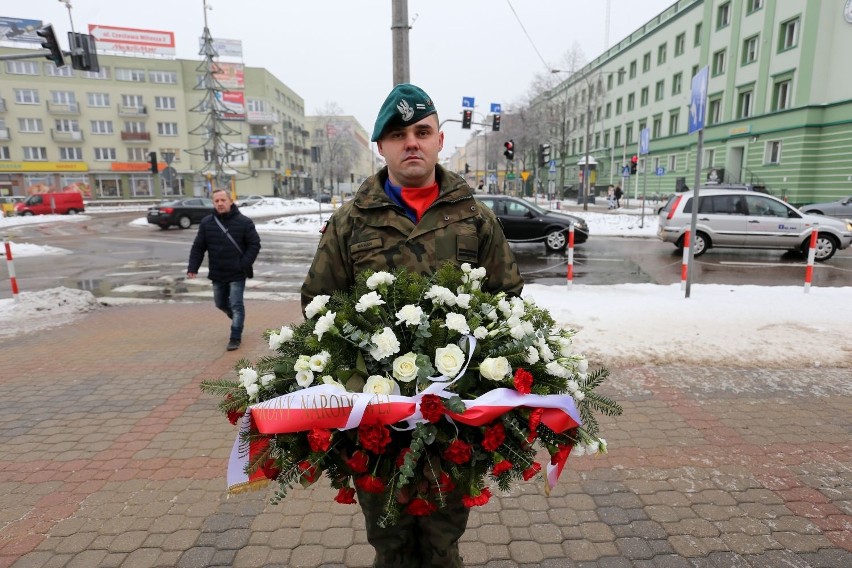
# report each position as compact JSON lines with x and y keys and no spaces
{"x":371,"y":232}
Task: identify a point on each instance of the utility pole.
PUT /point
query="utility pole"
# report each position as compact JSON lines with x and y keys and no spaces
{"x":400,"y":27}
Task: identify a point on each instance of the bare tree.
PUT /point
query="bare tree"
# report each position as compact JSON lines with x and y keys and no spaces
{"x":337,"y":145}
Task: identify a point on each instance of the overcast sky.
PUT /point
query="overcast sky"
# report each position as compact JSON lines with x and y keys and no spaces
{"x":340,"y":50}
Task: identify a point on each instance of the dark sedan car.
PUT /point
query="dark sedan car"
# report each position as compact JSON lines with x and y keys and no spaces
{"x":527,"y":222}
{"x":180,"y":212}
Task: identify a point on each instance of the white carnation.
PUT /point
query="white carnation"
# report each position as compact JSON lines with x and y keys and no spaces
{"x":518,"y":306}
{"x":376,"y":384}
{"x":367,"y":301}
{"x":252,"y":391}
{"x":405,"y":367}
{"x":532,"y":355}
{"x":266,"y":379}
{"x":480,"y":332}
{"x":248,"y":376}
{"x":578,"y":395}
{"x":379,"y":278}
{"x":505,"y":307}
{"x":328,"y":380}
{"x":305,"y":378}
{"x":463,"y":301}
{"x":465,"y":267}
{"x":324,"y":323}
{"x":449,"y":360}
{"x":557,"y":370}
{"x":544,"y":350}
{"x":319,"y":361}
{"x":457,"y":322}
{"x":275,"y":340}
{"x":517,"y":332}
{"x":477,"y":273}
{"x":495,"y":368}
{"x":385,"y":344}
{"x":317,"y":304}
{"x":582,"y":366}
{"x":440,"y":295}
{"x":409,"y":314}
{"x":572,"y":385}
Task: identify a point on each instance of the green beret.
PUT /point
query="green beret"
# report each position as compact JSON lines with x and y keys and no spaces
{"x":405,"y":105}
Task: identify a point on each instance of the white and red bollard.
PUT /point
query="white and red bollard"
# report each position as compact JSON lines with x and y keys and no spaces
{"x":11,"y":265}
{"x":684,"y":265}
{"x":570,"y":273}
{"x":809,"y":271}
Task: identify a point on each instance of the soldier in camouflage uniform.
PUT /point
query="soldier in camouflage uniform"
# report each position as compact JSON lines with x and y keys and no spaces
{"x":417,"y":215}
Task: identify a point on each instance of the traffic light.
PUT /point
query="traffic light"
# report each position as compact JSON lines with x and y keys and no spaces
{"x":509,"y":152}
{"x":467,"y":168}
{"x":467,"y":118}
{"x":495,"y":125}
{"x":84,"y":56}
{"x":543,"y":154}
{"x":50,"y":42}
{"x":152,"y":162}
{"x":634,"y":162}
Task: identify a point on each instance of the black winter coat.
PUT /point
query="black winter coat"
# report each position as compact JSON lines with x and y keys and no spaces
{"x":225,"y":262}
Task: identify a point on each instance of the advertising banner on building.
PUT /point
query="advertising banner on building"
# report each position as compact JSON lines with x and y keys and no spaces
{"x":132,"y":40}
{"x":232,"y":75}
{"x":233,"y":104}
{"x":19,"y":29}
{"x":261,"y":141}
{"x":225,"y":47}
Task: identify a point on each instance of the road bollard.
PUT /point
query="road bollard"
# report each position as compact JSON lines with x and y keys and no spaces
{"x":11,"y":265}
{"x":684,"y":267}
{"x":809,"y":271}
{"x":570,"y":274}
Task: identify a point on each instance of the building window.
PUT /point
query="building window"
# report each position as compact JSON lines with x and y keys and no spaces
{"x":674,"y":121}
{"x":744,"y":104}
{"x":98,"y":99}
{"x":107,"y":186}
{"x":167,"y":128}
{"x":134,"y":127}
{"x":617,"y":137}
{"x":723,"y":15}
{"x":102,"y":127}
{"x":789,"y":34}
{"x":52,"y":70}
{"x":661,"y":54}
{"x":633,"y":69}
{"x":30,"y":125}
{"x":132,"y":101}
{"x":646,"y":62}
{"x":719,"y":62}
{"x":135,"y":75}
{"x":673,"y":163}
{"x":657,"y":127}
{"x":4,"y":153}
{"x":618,"y":107}
{"x":608,"y":110}
{"x":22,"y":67}
{"x":35,"y":154}
{"x":63,"y":97}
{"x":709,"y":157}
{"x":643,"y":97}
{"x":137,"y":154}
{"x":628,"y":134}
{"x":772,"y":153}
{"x":606,"y":139}
{"x":753,"y":6}
{"x":166,"y":77}
{"x":609,"y":82}
{"x":70,"y":154}
{"x":141,"y":186}
{"x":660,"y":90}
{"x":27,"y":97}
{"x":677,"y":83}
{"x":621,"y":72}
{"x":105,"y":154}
{"x":750,"y":50}
{"x":165,"y":103}
{"x":631,"y":101}
{"x":67,"y":125}
{"x":102,"y":74}
{"x":680,"y":44}
{"x":714,"y":111}
{"x":697,"y":40}
{"x":781,"y":94}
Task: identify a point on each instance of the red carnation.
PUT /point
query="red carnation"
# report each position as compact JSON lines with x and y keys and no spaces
{"x":523,"y":381}
{"x":233,"y":415}
{"x":458,"y":452}
{"x":358,"y":462}
{"x":531,"y":471}
{"x":501,"y":467}
{"x":345,"y":496}
{"x":477,"y":500}
{"x":370,"y":484}
{"x":535,"y":419}
{"x":445,"y":484}
{"x":421,"y":507}
{"x":309,"y":472}
{"x":400,"y":459}
{"x":432,"y":407}
{"x":374,"y":437}
{"x":494,"y":436}
{"x":270,"y":470}
{"x":319,"y":439}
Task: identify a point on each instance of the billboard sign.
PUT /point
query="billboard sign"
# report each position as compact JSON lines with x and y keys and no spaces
{"x":261,"y":141}
{"x":232,"y":104}
{"x":132,"y":40}
{"x":19,"y":29}
{"x":225,"y":47}
{"x":230,"y":75}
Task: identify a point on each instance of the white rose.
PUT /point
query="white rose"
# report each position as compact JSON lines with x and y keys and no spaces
{"x":252,"y":391}
{"x":248,"y":376}
{"x":449,"y":360}
{"x":532,"y":355}
{"x":405,"y":367}
{"x":324,"y":323}
{"x":480,"y":332}
{"x":466,"y":267}
{"x":477,"y":273}
{"x":495,"y":368}
{"x":409,"y":315}
{"x":379,"y":278}
{"x":305,"y":378}
{"x":303,"y":363}
{"x":385,"y":344}
{"x":319,"y":361}
{"x":457,"y":322}
{"x":316,"y":305}
{"x":266,"y":379}
{"x":368,"y":301}
{"x":377,"y":384}
{"x":328,"y":380}
{"x":463,"y":301}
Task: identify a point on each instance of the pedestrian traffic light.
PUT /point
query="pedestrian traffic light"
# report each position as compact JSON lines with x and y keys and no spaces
{"x":509,"y":152}
{"x":152,"y":162}
{"x":467,"y":168}
{"x":495,"y":124}
{"x":467,"y":118}
{"x":634,"y":162}
{"x":84,"y":56}
{"x":50,"y":42}
{"x":543,"y":154}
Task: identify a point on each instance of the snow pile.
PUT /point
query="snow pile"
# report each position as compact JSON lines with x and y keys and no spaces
{"x":35,"y":311}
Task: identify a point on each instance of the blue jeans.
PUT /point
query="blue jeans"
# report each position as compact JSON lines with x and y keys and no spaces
{"x":228,"y":297}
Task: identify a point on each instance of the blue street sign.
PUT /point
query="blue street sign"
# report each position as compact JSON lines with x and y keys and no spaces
{"x":661,"y":171}
{"x":492,"y":178}
{"x":552,"y":168}
{"x":644,"y":141}
{"x":698,"y":100}
{"x":467,"y":102}
{"x":496,"y":108}
{"x":625,"y":171}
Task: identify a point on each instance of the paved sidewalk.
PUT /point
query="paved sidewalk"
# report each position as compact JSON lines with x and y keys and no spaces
{"x":111,"y":456}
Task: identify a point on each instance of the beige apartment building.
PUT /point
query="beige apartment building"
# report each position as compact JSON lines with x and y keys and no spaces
{"x":343,"y":156}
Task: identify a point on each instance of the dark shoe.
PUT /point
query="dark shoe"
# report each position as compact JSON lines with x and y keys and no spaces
{"x":233,"y":345}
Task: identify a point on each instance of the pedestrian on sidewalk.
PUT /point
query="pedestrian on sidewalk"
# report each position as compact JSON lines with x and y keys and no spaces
{"x":618,"y":194}
{"x":418,"y":215}
{"x":610,"y":197}
{"x":232,"y":245}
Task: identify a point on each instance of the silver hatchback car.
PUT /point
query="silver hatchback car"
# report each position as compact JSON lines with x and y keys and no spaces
{"x":745,"y":219}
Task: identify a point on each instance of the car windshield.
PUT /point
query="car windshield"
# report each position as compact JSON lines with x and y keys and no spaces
{"x":171,"y":203}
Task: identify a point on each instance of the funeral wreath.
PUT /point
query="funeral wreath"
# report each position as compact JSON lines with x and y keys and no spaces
{"x":413,"y":387}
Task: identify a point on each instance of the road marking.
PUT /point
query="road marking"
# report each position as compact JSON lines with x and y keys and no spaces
{"x":148,"y":241}
{"x":775,"y":264}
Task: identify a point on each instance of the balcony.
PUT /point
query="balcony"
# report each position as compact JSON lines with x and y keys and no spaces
{"x":64,"y":109}
{"x":144,"y":137}
{"x":66,"y":136}
{"x":132,"y":111}
{"x":4,"y":134}
{"x":2,"y":105}
{"x":265,"y":118}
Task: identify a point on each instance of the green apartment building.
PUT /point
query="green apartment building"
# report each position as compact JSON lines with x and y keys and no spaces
{"x":779,"y":103}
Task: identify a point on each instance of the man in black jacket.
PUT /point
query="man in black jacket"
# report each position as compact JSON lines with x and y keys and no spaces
{"x":232,"y":244}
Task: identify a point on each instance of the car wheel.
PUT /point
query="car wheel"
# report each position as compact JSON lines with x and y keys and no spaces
{"x":72,"y":211}
{"x":556,"y":240}
{"x":699,"y":246}
{"x":826,"y":246}
{"x":184,"y":222}
{"x":27,"y":213}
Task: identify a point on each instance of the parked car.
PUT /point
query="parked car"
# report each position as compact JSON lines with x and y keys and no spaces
{"x":745,"y":219}
{"x":526,"y":222}
{"x":58,"y":203}
{"x":7,"y":204}
{"x":842,"y":208}
{"x":248,"y":200}
{"x":180,"y":212}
